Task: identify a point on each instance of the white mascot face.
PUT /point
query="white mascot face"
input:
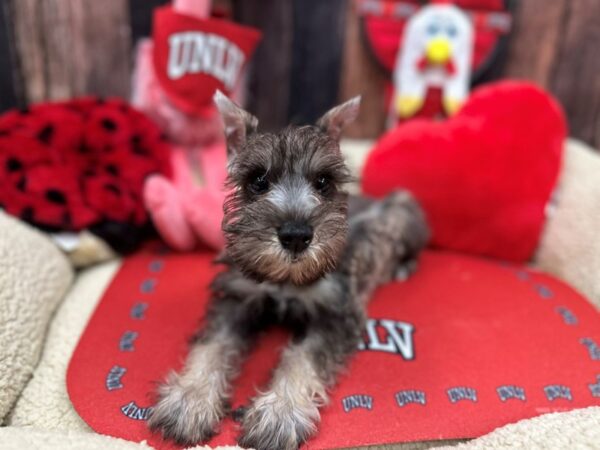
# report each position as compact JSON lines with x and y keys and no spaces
{"x":440,"y":32}
{"x":437,"y":51}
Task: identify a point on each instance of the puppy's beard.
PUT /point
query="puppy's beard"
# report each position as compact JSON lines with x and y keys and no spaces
{"x":253,"y":245}
{"x":267,"y":260}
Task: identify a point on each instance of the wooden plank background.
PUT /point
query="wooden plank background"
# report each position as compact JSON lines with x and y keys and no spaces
{"x":11,"y":83}
{"x":557,"y":44}
{"x":73,"y":47}
{"x":310,"y":57}
{"x":272,"y":63}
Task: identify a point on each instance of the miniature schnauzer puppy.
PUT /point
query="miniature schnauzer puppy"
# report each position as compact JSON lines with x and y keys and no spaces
{"x":300,"y":254}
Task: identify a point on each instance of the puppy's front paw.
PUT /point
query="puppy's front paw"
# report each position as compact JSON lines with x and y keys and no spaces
{"x":278,"y":422}
{"x":186,"y":413}
{"x":405,"y":269}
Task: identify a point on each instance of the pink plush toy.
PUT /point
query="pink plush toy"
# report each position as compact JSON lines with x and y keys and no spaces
{"x":176,"y":75}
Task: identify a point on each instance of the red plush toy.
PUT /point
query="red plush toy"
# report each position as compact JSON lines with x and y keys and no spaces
{"x":80,"y":164}
{"x":485,"y":176}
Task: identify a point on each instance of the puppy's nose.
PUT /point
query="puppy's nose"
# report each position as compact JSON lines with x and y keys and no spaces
{"x":295,"y":236}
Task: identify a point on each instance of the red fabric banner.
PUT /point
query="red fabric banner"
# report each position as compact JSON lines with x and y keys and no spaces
{"x":194,"y":57}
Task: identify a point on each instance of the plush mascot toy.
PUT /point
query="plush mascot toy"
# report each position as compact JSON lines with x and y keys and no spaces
{"x":177,"y":73}
{"x":433,"y":50}
{"x":433,"y":66}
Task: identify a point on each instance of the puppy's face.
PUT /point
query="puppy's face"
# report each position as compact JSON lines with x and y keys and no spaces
{"x":286,"y":216}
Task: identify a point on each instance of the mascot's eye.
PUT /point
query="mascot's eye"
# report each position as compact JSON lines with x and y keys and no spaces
{"x":452,"y":31}
{"x":323,"y":184}
{"x":258,"y":183}
{"x":433,"y":28}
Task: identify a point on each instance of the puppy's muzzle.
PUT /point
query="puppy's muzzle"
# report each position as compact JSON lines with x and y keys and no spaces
{"x":295,"y":236}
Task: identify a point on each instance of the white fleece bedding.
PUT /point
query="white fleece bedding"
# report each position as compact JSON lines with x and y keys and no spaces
{"x":44,"y":403}
{"x":570,"y":244}
{"x":15,"y":438}
{"x":578,"y":429}
{"x":32,"y":284}
{"x":43,"y":416}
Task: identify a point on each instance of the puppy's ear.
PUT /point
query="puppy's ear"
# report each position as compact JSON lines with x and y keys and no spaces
{"x":336,"y":119}
{"x":238,"y":122}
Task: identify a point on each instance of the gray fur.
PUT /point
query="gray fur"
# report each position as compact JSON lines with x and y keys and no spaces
{"x":292,"y":160}
{"x":320,"y":294}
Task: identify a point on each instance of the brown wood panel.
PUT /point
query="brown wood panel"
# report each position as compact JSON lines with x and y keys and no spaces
{"x":31,"y":49}
{"x":557,"y":44}
{"x":362,"y":76}
{"x":107,"y":36}
{"x":536,"y":36}
{"x":576,"y":76}
{"x":141,"y":13}
{"x":270,"y":69}
{"x":11,"y":81}
{"x":318,"y":41}
{"x":73,"y":47}
{"x":66,"y":48}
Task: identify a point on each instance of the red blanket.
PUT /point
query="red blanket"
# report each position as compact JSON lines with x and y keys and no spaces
{"x":463,"y":347}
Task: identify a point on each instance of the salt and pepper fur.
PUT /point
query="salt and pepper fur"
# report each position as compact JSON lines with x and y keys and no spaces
{"x":319,"y":294}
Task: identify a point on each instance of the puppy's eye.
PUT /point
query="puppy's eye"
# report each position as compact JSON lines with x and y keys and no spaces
{"x":323,"y":184}
{"x":258,"y":183}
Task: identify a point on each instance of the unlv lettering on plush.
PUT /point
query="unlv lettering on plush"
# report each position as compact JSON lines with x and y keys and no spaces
{"x":195,"y":52}
{"x":593,"y":348}
{"x":156,"y":265}
{"x":357,"y":401}
{"x":133,"y":411}
{"x":507,"y":392}
{"x":127,"y":340}
{"x":113,"y":379}
{"x":403,"y":398}
{"x":398,"y":337}
{"x":462,"y":393}
{"x":557,"y":391}
{"x":568,"y":317}
{"x":595,"y":388}
{"x":148,"y":286}
{"x":138,"y":311}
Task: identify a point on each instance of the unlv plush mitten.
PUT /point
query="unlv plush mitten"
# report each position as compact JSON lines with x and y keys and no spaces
{"x":177,"y":73}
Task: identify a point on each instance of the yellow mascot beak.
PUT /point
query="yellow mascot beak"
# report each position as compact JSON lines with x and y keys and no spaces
{"x":438,"y":51}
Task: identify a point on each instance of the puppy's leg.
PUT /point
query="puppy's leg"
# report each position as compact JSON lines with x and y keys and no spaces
{"x":384,"y":243}
{"x":404,"y":212}
{"x":287,"y":414}
{"x":191,"y":403}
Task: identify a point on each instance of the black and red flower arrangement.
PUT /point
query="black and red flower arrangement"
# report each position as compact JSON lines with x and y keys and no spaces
{"x":80,"y":164}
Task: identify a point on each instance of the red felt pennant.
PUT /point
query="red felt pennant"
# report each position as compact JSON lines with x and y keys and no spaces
{"x":194,"y":57}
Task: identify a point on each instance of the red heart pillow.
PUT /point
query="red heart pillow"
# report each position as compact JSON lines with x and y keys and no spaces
{"x":484,"y":177}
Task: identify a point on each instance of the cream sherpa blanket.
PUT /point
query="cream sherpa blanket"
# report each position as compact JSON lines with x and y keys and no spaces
{"x":570,"y":246}
{"x":44,"y":418}
{"x":32,"y":284}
